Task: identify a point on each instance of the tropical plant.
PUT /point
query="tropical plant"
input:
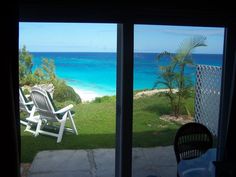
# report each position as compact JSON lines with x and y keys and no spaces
{"x":63,"y":92}
{"x":173,"y":77}
{"x":45,"y":74}
{"x":25,"y":65}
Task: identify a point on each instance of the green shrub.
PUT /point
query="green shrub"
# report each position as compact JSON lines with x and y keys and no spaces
{"x":103,"y":99}
{"x":26,"y":92}
{"x":29,"y":80}
{"x":64,"y":93}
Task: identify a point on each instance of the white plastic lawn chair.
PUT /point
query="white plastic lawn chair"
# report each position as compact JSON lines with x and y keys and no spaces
{"x":48,"y":114}
{"x":27,"y":106}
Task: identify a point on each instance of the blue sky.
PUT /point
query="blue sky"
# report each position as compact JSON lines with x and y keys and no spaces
{"x":91,"y":37}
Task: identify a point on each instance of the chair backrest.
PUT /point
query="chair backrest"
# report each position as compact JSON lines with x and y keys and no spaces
{"x":23,"y":100}
{"x":44,"y":104}
{"x":191,"y":141}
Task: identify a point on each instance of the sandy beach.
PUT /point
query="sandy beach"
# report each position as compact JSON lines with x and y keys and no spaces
{"x":87,"y":96}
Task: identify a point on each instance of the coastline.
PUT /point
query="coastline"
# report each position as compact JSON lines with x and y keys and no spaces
{"x":151,"y":92}
{"x":88,"y":95}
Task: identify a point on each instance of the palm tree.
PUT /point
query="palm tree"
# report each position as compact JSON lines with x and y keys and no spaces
{"x":172,"y":75}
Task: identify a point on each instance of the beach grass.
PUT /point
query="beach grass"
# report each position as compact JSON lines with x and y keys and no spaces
{"x":95,"y":122}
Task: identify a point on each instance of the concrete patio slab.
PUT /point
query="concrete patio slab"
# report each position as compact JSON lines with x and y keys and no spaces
{"x":105,"y":162}
{"x":157,"y":161}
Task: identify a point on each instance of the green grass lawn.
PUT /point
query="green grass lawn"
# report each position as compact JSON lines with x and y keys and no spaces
{"x":96,"y":127}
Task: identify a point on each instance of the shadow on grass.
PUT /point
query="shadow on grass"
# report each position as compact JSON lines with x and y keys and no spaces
{"x":30,"y":145}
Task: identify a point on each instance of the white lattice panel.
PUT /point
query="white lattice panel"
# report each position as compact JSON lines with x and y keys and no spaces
{"x":207,"y":98}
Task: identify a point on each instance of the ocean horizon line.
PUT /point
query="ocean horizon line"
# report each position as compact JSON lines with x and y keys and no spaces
{"x":116,"y":52}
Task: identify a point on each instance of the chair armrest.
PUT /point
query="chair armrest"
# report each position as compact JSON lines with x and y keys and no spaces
{"x":29,"y":103}
{"x":65,"y":109}
{"x":27,"y":96}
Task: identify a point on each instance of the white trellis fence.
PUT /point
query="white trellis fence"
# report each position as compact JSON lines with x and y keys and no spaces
{"x":207,"y":98}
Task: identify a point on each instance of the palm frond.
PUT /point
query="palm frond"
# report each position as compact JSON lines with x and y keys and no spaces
{"x":162,"y":82}
{"x":188,"y":45}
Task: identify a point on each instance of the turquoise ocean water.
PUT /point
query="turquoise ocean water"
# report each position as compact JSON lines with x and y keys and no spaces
{"x":97,"y":71}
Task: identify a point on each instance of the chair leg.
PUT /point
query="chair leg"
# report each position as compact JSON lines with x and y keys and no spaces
{"x":23,"y":122}
{"x":61,"y":130}
{"x":73,"y":123}
{"x":38,"y":128}
{"x":32,"y":111}
{"x":28,"y":127}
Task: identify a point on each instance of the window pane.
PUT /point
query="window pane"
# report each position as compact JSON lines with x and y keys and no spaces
{"x":72,"y":64}
{"x":177,"y":79}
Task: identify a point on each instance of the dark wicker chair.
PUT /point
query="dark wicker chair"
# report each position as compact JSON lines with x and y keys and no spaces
{"x":191,"y":141}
